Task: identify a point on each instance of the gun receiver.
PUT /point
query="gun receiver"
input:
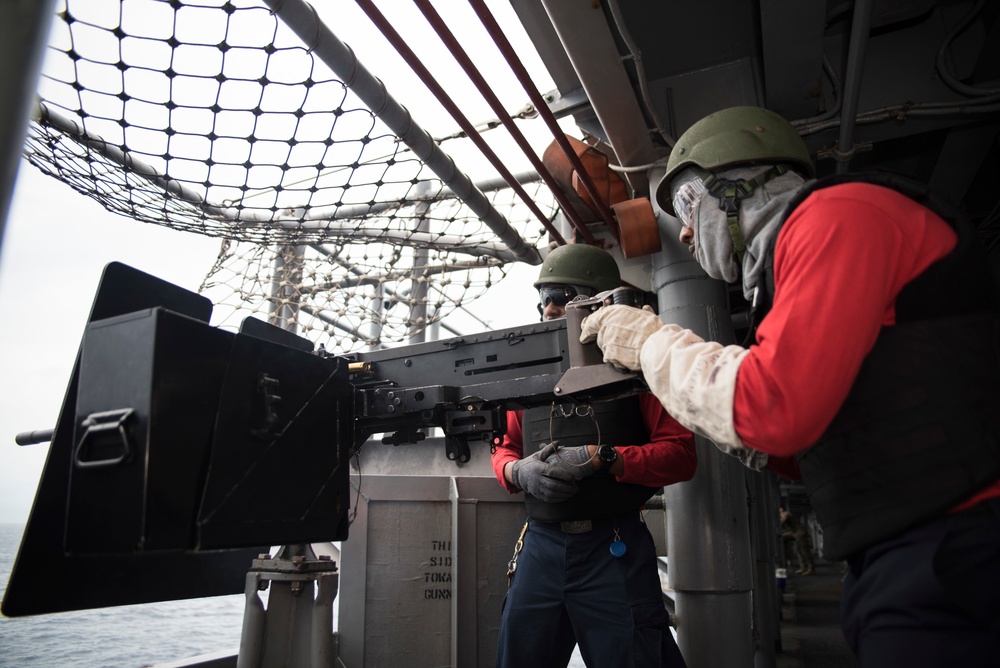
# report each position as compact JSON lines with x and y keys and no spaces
{"x":463,"y":384}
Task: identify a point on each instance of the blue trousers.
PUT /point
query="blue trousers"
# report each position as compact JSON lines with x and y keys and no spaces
{"x":569,"y":589}
{"x":930,"y":597}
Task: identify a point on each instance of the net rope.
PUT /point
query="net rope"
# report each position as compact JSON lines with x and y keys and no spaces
{"x":212,"y":117}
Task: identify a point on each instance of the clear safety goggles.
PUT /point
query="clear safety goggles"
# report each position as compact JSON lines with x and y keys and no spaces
{"x":687,"y":190}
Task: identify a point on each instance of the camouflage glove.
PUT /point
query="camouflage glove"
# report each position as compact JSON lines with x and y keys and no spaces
{"x":620,"y":332}
{"x":543,"y":481}
{"x":575,"y":461}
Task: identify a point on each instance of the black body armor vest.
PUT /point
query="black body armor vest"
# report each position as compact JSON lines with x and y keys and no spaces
{"x":919,"y":431}
{"x":616,"y":422}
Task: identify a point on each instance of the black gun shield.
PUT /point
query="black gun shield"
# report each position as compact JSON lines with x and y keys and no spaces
{"x":45,"y":578}
{"x":279,"y":466}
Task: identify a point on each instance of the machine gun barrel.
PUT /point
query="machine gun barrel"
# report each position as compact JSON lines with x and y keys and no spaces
{"x":34,"y":437}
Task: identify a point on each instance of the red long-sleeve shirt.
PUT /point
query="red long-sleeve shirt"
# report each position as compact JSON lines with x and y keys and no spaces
{"x":669,"y":456}
{"x":841,"y":259}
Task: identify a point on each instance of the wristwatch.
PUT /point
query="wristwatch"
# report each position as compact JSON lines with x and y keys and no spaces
{"x":608,"y":456}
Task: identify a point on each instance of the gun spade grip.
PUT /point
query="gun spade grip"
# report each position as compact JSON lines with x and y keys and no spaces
{"x":580,"y":354}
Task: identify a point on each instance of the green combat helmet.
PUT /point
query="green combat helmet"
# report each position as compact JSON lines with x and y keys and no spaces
{"x":580,"y":264}
{"x":735,"y":136}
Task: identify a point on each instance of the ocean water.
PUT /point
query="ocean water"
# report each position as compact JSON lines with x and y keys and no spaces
{"x":131,"y":636}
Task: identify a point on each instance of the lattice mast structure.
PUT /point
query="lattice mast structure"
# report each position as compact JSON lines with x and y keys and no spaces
{"x":338,"y":215}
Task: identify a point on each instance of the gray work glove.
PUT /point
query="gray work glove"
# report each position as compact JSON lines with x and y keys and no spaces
{"x":575,"y":460}
{"x":543,"y":481}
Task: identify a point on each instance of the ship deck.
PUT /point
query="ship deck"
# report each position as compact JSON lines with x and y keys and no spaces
{"x":810,"y":621}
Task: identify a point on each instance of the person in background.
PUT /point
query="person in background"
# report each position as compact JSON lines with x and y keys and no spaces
{"x":875,"y":362}
{"x":586,"y":570}
{"x":792,"y":531}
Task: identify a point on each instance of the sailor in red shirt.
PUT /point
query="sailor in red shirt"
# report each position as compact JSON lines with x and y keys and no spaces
{"x":587,"y":571}
{"x":875,"y":364}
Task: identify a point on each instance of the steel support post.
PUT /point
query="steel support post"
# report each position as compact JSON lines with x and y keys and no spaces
{"x":860,"y":27}
{"x":771,"y":534}
{"x":708,"y":538}
{"x":284,"y":300}
{"x":254,"y":617}
{"x":323,"y":650}
{"x":24,"y":31}
{"x":417,"y":319}
{"x":296,"y":628}
{"x":765,"y":623}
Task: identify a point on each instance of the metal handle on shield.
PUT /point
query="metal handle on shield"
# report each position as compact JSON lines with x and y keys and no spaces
{"x":98,"y":425}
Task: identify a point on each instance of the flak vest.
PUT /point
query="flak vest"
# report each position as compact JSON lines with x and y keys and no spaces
{"x":919,"y":431}
{"x":600,"y":496}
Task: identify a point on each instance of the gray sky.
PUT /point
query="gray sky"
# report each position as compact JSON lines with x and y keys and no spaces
{"x":55,"y":247}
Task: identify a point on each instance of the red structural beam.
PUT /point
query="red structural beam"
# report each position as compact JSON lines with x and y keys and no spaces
{"x":428,"y":79}
{"x":479,"y":81}
{"x":494,"y":30}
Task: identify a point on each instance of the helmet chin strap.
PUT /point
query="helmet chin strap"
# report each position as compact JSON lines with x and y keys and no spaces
{"x":731,"y":193}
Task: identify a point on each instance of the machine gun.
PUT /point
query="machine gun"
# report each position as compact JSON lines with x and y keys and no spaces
{"x":187,"y":450}
{"x":464,"y":384}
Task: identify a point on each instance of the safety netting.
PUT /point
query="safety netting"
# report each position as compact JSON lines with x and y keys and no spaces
{"x":213,"y":117}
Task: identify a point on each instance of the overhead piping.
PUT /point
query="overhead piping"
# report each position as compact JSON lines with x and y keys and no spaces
{"x":462,"y":57}
{"x":640,"y":72}
{"x":355,"y":211}
{"x":494,"y":30}
{"x":860,"y":26}
{"x":397,"y":41}
{"x":900,"y":112}
{"x":941,"y":61}
{"x":46,"y":115}
{"x":301,"y":18}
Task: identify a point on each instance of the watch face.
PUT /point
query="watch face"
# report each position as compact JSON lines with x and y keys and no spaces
{"x":608,"y":455}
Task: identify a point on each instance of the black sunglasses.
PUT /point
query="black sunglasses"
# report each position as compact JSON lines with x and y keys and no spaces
{"x":560,"y":295}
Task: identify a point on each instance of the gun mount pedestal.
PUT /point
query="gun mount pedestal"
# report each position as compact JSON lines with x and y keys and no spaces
{"x":296,"y":628}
